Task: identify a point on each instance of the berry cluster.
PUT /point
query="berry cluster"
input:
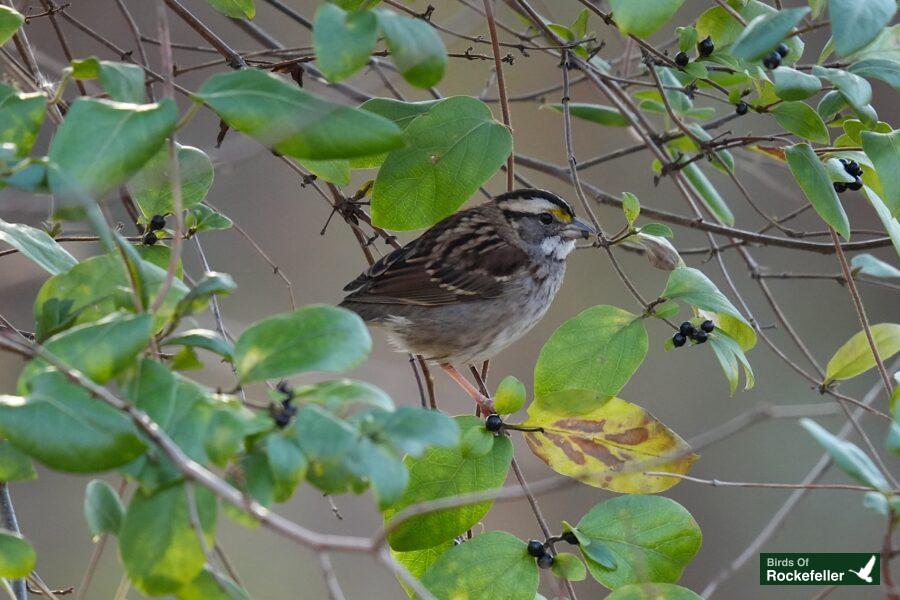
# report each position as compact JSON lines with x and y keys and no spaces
{"x":773,"y":59}
{"x":157,"y":223}
{"x":704,"y":48}
{"x":283,"y":413}
{"x":538,"y":549}
{"x":854,"y":170}
{"x":687,"y":330}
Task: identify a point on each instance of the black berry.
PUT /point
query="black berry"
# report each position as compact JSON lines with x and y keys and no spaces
{"x":493,"y":423}
{"x":686,"y":329}
{"x":782,"y":50}
{"x":856,"y":185}
{"x":678,"y":340}
{"x":707,"y":326}
{"x":852,"y":167}
{"x":150,"y":238}
{"x":681,"y":59}
{"x":700,"y":336}
{"x":741,"y":108}
{"x":157,"y":222}
{"x":772,"y":61}
{"x":571,"y":538}
{"x":840,"y":186}
{"x":284,"y":388}
{"x":706,"y":46}
{"x":545,"y":561}
{"x":536,"y":548}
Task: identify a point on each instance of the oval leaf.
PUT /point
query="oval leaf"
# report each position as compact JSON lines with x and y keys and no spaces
{"x":813,"y":179}
{"x":38,"y":246}
{"x":653,"y":591}
{"x":416,"y":48}
{"x":599,"y":350}
{"x":313,"y":338}
{"x":653,"y":539}
{"x":643,"y":17}
{"x":491,"y":565}
{"x":450,"y":152}
{"x":855,"y":23}
{"x":17,"y":557}
{"x":596,"y":113}
{"x":597,"y":440}
{"x":294,"y":122}
{"x":764,"y":32}
{"x":848,"y":456}
{"x":151,"y":187}
{"x":884,"y":151}
{"x":791,"y":84}
{"x":800,"y":119}
{"x":855,"y":356}
{"x":343,"y":40}
{"x":103,"y":508}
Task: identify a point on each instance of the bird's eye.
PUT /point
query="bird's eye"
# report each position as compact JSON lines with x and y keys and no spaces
{"x":545,"y":218}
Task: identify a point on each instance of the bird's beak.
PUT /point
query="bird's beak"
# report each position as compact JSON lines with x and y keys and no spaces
{"x":578,"y":229}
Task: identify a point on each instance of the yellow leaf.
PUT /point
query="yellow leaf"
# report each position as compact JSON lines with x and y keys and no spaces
{"x":855,"y":356}
{"x":605,"y":442}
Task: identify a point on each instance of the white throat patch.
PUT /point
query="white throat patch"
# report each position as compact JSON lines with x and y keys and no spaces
{"x":557,"y":248}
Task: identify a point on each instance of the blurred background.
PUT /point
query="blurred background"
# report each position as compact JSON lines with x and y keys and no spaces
{"x":686,"y":389}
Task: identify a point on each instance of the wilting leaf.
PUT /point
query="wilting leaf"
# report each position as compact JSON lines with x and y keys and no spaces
{"x":598,"y":440}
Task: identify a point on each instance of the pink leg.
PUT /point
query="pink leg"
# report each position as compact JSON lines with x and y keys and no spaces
{"x":485,"y":403}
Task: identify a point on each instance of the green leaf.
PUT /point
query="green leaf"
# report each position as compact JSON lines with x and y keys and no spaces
{"x":830,"y":105}
{"x":643,"y":17}
{"x":344,"y":41}
{"x":21,"y":116}
{"x":653,"y":539}
{"x":201,"y":218}
{"x":236,"y":9}
{"x":224,"y":436}
{"x":158,"y":546}
{"x":691,"y":286}
{"x":890,"y":223}
{"x":92,"y":289}
{"x":595,"y":113}
{"x":813,"y":179}
{"x":10,"y":21}
{"x":152,"y":189}
{"x":342,"y":396}
{"x":765,"y":32}
{"x":591,"y":437}
{"x":653,"y":591}
{"x":211,"y":586}
{"x":62,"y":426}
{"x":731,"y":358}
{"x":401,"y":113}
{"x":855,"y":356}
{"x":212,"y":283}
{"x":411,"y":430}
{"x":884,"y":151}
{"x":708,"y":193}
{"x":725,"y":29}
{"x":631,"y":206}
{"x":313,"y":338}
{"x":491,"y":565}
{"x":101,"y":143}
{"x":800,"y":119}
{"x":418,"y":561}
{"x":287,"y":463}
{"x":291,"y":121}
{"x":333,"y":171}
{"x":510,"y":396}
{"x":855,"y":23}
{"x":792,"y":85}
{"x":599,"y":349}
{"x":687,"y":38}
{"x":17,"y":557}
{"x":15,"y":464}
{"x":450,"y":152}
{"x":444,"y":472}
{"x":202,"y":338}
{"x":568,"y":566}
{"x":884,"y":69}
{"x":866,"y":264}
{"x":476,"y":442}
{"x":852,"y":461}
{"x":854,"y":89}
{"x":103,"y":508}
{"x":667,"y":309}
{"x":122,"y":81}
{"x":38,"y":246}
{"x":416,"y":48}
{"x":657,"y":229}
{"x":101,"y":349}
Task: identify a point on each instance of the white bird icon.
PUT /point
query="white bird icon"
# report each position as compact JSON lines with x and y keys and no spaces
{"x":866,"y":572}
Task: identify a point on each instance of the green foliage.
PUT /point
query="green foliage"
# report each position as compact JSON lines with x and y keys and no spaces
{"x":343,"y":41}
{"x":14,"y":464}
{"x":643,"y":17}
{"x":451,"y":150}
{"x":292,"y":121}
{"x":792,"y":85}
{"x":152,"y":189}
{"x":652,"y":539}
{"x":38,"y":246}
{"x":816,"y":185}
{"x":331,"y":339}
{"x":652,"y":591}
{"x":848,"y":456}
{"x":855,"y":356}
{"x":17,"y":556}
{"x":765,"y":32}
{"x":440,"y":473}
{"x":884,"y":151}
{"x":10,"y":21}
{"x":491,"y":565}
{"x":596,"y":113}
{"x":122,"y":81}
{"x":510,"y":395}
{"x":855,"y":23}
{"x":103,"y":510}
{"x":416,"y":49}
{"x":800,"y":119}
{"x":236,"y":9}
{"x":21,"y":116}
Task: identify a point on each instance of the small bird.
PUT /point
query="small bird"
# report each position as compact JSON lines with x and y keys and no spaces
{"x":473,"y":283}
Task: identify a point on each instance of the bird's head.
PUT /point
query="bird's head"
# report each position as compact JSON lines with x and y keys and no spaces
{"x":544,"y":222}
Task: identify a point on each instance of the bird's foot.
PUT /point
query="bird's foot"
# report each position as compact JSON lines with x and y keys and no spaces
{"x":484,"y":403}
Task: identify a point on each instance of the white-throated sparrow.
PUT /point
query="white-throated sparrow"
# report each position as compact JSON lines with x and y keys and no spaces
{"x":473,"y":283}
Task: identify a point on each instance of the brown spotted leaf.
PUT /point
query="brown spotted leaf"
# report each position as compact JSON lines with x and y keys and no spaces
{"x":605,"y":442}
